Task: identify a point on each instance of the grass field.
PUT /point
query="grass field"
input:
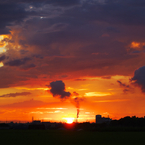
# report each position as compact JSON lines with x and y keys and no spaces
{"x":46,"y":137}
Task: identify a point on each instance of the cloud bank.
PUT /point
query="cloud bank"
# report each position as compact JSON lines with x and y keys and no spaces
{"x":139,"y":78}
{"x":75,"y":38}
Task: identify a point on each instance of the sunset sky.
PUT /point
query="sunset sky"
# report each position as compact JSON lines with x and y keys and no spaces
{"x":57,"y":56}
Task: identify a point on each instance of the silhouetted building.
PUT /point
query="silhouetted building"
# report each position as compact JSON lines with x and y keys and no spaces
{"x":36,"y":122}
{"x":47,"y":125}
{"x":100,"y":119}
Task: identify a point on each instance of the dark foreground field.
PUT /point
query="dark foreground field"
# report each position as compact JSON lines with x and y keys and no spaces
{"x":45,"y":137}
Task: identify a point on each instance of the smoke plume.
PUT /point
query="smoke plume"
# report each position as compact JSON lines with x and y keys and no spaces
{"x":77,"y":104}
{"x":58,"y":90}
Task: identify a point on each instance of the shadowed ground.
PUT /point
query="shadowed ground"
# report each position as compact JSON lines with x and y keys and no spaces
{"x":45,"y":137}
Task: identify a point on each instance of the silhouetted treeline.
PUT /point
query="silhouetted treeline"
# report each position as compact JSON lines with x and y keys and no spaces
{"x":124,"y":124}
{"x":129,"y":122}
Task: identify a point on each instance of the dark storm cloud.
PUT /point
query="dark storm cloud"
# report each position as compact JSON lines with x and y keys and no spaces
{"x":140,"y":3}
{"x":2,"y":58}
{"x":65,"y":37}
{"x":139,"y":78}
{"x":10,"y":14}
{"x":38,"y":56}
{"x":18,"y":62}
{"x":23,"y":51}
{"x":74,"y":24}
{"x":63,"y":2}
{"x":23,"y":63}
{"x":54,"y":2}
{"x":27,"y":67}
{"x":58,"y":89}
{"x":16,"y":94}
{"x":74,"y":27}
{"x":112,"y":11}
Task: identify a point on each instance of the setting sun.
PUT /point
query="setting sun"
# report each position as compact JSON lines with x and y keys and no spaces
{"x":69,"y":120}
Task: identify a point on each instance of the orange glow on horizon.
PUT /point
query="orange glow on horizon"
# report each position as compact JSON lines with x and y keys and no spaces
{"x":69,"y":120}
{"x":99,"y":95}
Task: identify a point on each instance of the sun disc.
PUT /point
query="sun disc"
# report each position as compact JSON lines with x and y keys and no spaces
{"x":69,"y":120}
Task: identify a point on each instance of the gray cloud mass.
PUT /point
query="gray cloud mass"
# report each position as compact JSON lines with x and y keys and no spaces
{"x":58,"y":89}
{"x":18,"y":62}
{"x":55,"y":38}
{"x":139,"y":78}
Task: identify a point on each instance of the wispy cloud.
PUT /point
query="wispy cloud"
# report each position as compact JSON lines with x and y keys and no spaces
{"x":16,"y":94}
{"x":116,"y":100}
{"x":32,"y":89}
{"x":97,"y":94}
